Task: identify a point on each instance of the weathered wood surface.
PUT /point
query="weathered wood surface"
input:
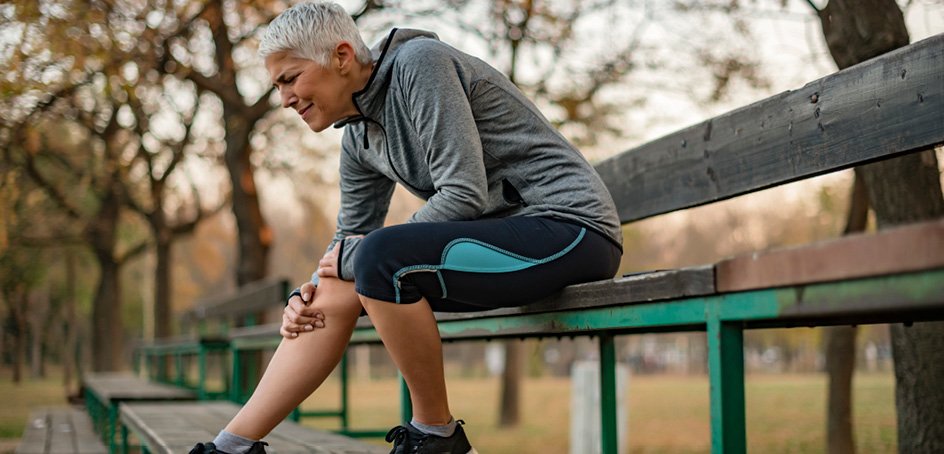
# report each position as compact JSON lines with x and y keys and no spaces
{"x":910,"y":248}
{"x":63,"y":430}
{"x":888,"y":105}
{"x":119,"y":387}
{"x":187,"y":342}
{"x":167,"y":428}
{"x":253,"y":297}
{"x":635,"y":288}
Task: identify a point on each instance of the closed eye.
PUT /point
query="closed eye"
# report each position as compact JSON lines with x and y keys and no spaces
{"x":283,"y":80}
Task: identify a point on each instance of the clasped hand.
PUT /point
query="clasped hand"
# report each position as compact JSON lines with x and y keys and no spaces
{"x":299,"y":316}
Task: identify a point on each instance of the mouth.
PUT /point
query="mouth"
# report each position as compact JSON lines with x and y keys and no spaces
{"x":304,"y":111}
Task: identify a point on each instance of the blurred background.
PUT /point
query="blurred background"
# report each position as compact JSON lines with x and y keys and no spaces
{"x":146,"y":166}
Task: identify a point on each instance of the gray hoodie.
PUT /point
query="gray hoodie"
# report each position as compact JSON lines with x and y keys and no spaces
{"x":457,"y":133}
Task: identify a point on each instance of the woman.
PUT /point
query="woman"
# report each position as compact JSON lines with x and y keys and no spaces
{"x":513,"y":212}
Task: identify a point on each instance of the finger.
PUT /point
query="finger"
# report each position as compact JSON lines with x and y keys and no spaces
{"x":306,"y":310}
{"x":286,"y":334}
{"x":308,"y":291}
{"x":291,"y":326}
{"x":327,"y":272}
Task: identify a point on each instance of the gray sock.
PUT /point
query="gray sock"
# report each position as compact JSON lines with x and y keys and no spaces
{"x":445,"y":431}
{"x":232,"y":443}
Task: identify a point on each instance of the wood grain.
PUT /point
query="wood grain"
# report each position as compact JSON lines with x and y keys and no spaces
{"x":889,"y":105}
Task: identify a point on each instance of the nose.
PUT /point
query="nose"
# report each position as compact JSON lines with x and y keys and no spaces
{"x":288,"y":97}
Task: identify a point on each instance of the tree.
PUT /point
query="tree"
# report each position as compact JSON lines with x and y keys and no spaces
{"x":153,"y":203}
{"x":901,"y":190}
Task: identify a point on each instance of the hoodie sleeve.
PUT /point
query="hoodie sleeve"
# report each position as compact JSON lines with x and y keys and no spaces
{"x":438,"y":105}
{"x":365,"y":199}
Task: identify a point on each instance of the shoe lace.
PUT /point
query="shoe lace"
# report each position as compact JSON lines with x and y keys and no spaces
{"x":203,"y":448}
{"x":397,"y":435}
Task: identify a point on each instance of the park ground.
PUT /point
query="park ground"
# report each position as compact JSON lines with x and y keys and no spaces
{"x":667,"y":413}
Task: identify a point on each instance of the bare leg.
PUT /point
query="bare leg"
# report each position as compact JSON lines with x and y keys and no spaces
{"x":301,"y":364}
{"x":410,"y":334}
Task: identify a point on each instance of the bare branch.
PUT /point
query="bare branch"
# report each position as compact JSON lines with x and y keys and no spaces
{"x":260,"y":108}
{"x":135,"y":251}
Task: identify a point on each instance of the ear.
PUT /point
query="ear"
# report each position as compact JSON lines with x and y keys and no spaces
{"x":344,"y":57}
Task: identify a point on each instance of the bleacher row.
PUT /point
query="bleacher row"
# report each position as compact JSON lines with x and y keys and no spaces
{"x":883,"y":108}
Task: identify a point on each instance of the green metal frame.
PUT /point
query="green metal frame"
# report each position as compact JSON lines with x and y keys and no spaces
{"x":155,"y":357}
{"x":104,"y":419}
{"x":915,"y":296}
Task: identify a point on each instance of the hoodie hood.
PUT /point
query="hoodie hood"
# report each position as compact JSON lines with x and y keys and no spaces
{"x":369,"y":101}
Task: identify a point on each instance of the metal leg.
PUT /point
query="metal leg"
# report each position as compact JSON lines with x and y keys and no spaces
{"x":608,"y":420}
{"x":201,"y":368}
{"x":726,"y":377}
{"x":344,"y":390}
{"x":234,"y":390}
{"x":406,"y":405}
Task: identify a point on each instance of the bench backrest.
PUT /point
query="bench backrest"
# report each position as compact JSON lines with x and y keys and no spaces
{"x":890,"y":105}
{"x":238,"y":308}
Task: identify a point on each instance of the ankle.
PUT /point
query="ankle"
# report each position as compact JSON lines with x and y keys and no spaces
{"x":440,"y":430}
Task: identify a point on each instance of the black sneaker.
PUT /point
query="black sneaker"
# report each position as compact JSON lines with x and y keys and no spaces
{"x":209,"y":448}
{"x":410,"y":440}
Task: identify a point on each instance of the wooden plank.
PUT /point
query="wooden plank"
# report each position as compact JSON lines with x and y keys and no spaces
{"x":633,"y":288}
{"x":60,"y":430}
{"x":910,"y":248}
{"x":175,"y":428}
{"x":253,"y":297}
{"x":890,"y":104}
{"x":115,"y":387}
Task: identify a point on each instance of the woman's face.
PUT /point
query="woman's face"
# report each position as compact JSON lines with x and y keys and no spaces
{"x":320,"y":95}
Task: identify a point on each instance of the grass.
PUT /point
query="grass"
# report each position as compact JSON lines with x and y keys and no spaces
{"x":667,"y":414}
{"x":17,"y":400}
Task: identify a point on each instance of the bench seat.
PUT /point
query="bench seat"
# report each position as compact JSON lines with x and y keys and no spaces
{"x":173,"y":428}
{"x":105,"y":391}
{"x":891,"y":273}
{"x":60,"y":430}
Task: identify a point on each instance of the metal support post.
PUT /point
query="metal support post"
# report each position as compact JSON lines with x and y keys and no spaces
{"x":608,"y":420}
{"x":726,"y":378}
{"x":406,"y":405}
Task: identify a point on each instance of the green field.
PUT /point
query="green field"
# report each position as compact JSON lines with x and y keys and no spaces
{"x":667,"y":414}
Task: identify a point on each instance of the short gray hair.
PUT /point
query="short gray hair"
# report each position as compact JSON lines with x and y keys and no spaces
{"x":312,"y":30}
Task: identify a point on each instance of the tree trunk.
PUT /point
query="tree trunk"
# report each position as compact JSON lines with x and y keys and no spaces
{"x":18,"y":307}
{"x":841,"y":346}
{"x":37,"y":317}
{"x":162,"y":285}
{"x":68,"y":326}
{"x":255,"y":236}
{"x":907,"y":189}
{"x":840,"y":365}
{"x":511,"y":384}
{"x":107,"y":325}
{"x":901,"y":190}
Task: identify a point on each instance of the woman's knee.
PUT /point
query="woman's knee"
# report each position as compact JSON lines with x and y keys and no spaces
{"x":334,"y":295}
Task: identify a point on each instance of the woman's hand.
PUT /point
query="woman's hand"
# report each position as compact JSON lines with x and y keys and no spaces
{"x":298,"y":316}
{"x":328,"y":265}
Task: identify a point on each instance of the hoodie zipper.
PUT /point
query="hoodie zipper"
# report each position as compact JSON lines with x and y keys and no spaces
{"x":386,"y":152}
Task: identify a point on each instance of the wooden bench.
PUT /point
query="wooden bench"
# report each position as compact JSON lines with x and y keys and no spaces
{"x":60,"y":430}
{"x":173,"y":428}
{"x":888,"y":106}
{"x":105,"y":392}
{"x":206,"y":328}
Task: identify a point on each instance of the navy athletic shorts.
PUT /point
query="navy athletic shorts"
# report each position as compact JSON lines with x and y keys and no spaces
{"x":483,"y":264}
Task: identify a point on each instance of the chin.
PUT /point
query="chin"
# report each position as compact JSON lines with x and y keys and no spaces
{"x":318,"y":127}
